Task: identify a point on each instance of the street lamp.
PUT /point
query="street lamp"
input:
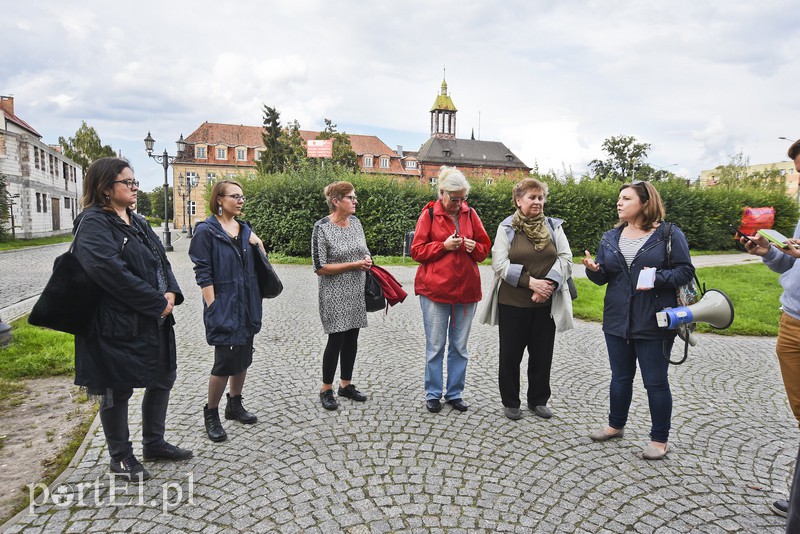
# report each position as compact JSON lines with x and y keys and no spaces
{"x":186,"y":193}
{"x":165,"y":160}
{"x":182,"y":193}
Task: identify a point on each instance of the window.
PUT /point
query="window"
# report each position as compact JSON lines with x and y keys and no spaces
{"x":222,"y":153}
{"x":367,"y":161}
{"x":257,"y":154}
{"x":38,"y":203}
{"x":44,"y":203}
{"x":241,"y":154}
{"x":200,"y":152}
{"x":411,"y":164}
{"x":36,"y":156}
{"x":433,"y":181}
{"x":192,"y":207}
{"x":66,"y":203}
{"x":384,"y":163}
{"x":50,"y":157}
{"x":192,"y":178}
{"x":211,"y":177}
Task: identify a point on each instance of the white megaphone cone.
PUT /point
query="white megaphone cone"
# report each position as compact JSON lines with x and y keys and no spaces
{"x":715,"y":308}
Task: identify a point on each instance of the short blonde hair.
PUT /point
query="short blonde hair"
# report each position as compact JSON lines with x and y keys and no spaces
{"x":451,"y":179}
{"x":528,"y":184}
{"x":337,"y":191}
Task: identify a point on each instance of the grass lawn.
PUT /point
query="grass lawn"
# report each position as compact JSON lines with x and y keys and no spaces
{"x":13,"y":244}
{"x":753,"y":289}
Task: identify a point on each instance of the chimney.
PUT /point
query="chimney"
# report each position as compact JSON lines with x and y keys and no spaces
{"x":7,"y":104}
{"x":400,"y":150}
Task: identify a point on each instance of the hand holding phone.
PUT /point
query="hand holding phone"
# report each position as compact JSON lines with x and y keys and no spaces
{"x":737,"y":233}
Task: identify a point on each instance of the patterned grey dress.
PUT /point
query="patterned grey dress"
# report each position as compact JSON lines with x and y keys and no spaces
{"x":341,"y":296}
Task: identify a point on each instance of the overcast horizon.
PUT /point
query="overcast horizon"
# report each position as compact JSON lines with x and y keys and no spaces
{"x":699,"y":81}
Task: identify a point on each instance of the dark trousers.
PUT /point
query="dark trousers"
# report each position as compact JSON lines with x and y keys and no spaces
{"x":520,"y":328}
{"x":341,"y":346}
{"x":114,"y":411}
{"x":623,"y":354}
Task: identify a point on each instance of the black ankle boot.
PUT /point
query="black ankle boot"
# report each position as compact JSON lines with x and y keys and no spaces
{"x":213,"y":426}
{"x":235,"y":410}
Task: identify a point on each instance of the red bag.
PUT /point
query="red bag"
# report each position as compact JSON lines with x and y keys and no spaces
{"x":754,"y":219}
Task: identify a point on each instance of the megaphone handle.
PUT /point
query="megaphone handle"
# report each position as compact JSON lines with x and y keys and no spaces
{"x":685,"y":353}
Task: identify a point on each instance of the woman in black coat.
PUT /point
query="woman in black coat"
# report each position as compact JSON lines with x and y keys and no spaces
{"x":223,"y":251}
{"x":131,"y":343}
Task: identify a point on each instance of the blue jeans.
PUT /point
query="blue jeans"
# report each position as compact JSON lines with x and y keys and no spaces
{"x":443,"y":320}
{"x":623,"y":355}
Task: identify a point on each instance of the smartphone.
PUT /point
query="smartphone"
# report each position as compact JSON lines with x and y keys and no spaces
{"x":775,"y":237}
{"x":737,"y":233}
{"x":456,"y":233}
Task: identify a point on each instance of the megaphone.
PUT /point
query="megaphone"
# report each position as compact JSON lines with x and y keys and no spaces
{"x":715,"y":308}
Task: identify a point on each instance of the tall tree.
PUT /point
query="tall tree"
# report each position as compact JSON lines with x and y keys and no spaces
{"x":157,"y":202}
{"x":273,"y":158}
{"x":625,"y":157}
{"x":85,"y":147}
{"x":343,"y":154}
{"x":143,"y":204}
{"x":295,"y":146}
{"x":736,"y":174}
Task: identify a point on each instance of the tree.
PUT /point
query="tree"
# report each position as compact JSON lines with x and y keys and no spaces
{"x":144,"y":206}
{"x":85,"y":147}
{"x":296,"y":154}
{"x":736,"y":175}
{"x":157,"y":202}
{"x":343,"y":154}
{"x":625,"y":158}
{"x":273,"y":158}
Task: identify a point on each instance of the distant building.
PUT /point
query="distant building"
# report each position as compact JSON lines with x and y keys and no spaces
{"x":217,"y":151}
{"x":475,"y":158}
{"x":786,"y":168}
{"x":45,"y":186}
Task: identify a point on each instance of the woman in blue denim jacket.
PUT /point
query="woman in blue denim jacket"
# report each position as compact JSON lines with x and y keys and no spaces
{"x":637,"y":244}
{"x":222,"y":252}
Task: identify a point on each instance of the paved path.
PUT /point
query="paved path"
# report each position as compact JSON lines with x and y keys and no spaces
{"x":388,"y":465}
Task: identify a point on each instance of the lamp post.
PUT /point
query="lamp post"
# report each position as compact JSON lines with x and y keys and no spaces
{"x":189,"y":184}
{"x":165,"y":160}
{"x":182,"y":193}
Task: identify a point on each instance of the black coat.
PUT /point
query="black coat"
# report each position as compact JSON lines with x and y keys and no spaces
{"x":628,"y":312}
{"x":122,"y":349}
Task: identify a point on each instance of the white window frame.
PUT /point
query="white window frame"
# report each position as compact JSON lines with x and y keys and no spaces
{"x":211,"y":178}
{"x":191,"y":207}
{"x":200,"y":152}
{"x":411,"y":164}
{"x":222,"y":153}
{"x":241,"y":154}
{"x":384,"y":161}
{"x":368,"y":161}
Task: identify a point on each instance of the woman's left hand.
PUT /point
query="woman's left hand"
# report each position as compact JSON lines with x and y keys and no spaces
{"x":792,"y":249}
{"x":170,"y":296}
{"x":469,"y":244}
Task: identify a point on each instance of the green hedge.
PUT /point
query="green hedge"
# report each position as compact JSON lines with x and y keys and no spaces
{"x":283,"y":208}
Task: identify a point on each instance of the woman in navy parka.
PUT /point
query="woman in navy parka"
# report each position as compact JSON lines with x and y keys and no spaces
{"x":221,"y":250}
{"x":639,"y":242}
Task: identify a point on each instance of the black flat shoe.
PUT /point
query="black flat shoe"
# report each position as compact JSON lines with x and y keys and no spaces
{"x":352,"y":393}
{"x":130,"y":469}
{"x":328,"y":400}
{"x":167,"y":451}
{"x":433,"y":405}
{"x":459,"y":405}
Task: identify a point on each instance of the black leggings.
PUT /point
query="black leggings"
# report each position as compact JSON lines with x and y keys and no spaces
{"x":344,"y":344}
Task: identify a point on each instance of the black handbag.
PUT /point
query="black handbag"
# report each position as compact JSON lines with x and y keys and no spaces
{"x":373,"y":294}
{"x":269,"y":284}
{"x":70,"y":298}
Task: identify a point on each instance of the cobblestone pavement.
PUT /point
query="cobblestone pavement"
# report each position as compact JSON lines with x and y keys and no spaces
{"x":24,"y":273}
{"x":388,"y":465}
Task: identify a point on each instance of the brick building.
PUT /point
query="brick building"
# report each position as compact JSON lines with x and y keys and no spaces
{"x":475,"y":158}
{"x":45,"y":186}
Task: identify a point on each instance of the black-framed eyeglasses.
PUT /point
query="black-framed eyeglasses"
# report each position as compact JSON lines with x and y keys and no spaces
{"x":237,"y":198}
{"x":351,"y":198}
{"x":643,"y":188}
{"x":456,"y":199}
{"x":130,"y":183}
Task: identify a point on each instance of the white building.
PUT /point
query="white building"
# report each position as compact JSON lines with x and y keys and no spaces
{"x":45,"y":186}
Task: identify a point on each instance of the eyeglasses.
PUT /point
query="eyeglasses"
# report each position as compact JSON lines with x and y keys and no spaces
{"x":351,"y":198}
{"x":456,"y":199}
{"x":130,"y":183}
{"x":237,"y":198}
{"x":643,"y":188}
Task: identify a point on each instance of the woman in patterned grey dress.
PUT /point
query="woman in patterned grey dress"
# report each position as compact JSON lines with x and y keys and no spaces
{"x":341,"y":258}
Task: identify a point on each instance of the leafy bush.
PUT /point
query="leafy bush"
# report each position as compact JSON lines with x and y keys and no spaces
{"x":283,"y":208}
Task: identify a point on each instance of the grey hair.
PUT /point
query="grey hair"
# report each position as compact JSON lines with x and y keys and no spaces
{"x":451,"y":179}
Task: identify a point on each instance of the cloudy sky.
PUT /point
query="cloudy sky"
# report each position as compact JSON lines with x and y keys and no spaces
{"x":699,"y":80}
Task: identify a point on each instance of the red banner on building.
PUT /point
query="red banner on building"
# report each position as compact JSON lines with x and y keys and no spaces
{"x":320,"y":148}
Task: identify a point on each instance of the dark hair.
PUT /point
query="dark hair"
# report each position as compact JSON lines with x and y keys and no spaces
{"x":217,"y":191}
{"x":652,"y":206}
{"x":794,"y":150}
{"x":336,"y":191}
{"x":100,"y":178}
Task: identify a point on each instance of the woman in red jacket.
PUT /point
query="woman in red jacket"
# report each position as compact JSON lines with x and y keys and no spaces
{"x":449,"y":242}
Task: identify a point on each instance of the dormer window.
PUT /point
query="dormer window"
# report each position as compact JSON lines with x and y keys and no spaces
{"x":411,"y":164}
{"x":368,"y":161}
{"x":222,"y":152}
{"x":509,"y":157}
{"x":241,"y":154}
{"x":200,"y":152}
{"x":446,"y":152}
{"x":384,"y":162}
